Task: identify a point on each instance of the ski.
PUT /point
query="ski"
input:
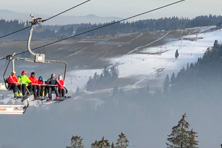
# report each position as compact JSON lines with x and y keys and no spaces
{"x":22,"y":98}
{"x":60,"y":99}
{"x":40,"y":98}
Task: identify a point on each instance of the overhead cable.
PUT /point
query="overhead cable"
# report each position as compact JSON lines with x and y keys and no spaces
{"x":106,"y":25}
{"x":14,"y":32}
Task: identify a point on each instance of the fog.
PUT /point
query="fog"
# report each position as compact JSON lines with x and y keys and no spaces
{"x":146,"y":121}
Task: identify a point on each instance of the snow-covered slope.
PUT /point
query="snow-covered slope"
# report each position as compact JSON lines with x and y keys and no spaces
{"x":146,"y":66}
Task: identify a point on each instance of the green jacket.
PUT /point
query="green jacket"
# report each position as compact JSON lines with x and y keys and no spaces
{"x":24,"y":79}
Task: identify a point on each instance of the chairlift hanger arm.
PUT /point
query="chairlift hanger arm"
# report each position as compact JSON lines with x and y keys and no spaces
{"x":58,"y":61}
{"x":33,"y":22}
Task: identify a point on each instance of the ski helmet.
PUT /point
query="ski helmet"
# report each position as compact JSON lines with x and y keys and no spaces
{"x":33,"y":74}
{"x":23,"y":72}
{"x":60,"y":77}
{"x":52,"y":75}
{"x":13,"y":73}
{"x":40,"y":78}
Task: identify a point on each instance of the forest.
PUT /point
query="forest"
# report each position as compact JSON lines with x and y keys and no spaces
{"x":172,"y":23}
{"x":181,"y":137}
{"x":148,"y":25}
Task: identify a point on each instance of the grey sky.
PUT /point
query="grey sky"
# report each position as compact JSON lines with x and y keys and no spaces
{"x":118,"y":8}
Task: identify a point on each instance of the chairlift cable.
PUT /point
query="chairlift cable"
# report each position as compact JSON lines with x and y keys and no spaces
{"x":106,"y":25}
{"x":45,"y":19}
{"x":14,"y":32}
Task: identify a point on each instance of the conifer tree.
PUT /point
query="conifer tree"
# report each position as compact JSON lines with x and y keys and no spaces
{"x":192,"y":143}
{"x":176,"y":54}
{"x":76,"y":142}
{"x":101,"y":144}
{"x":166,"y":84}
{"x":216,"y":43}
{"x":77,"y":91}
{"x":112,"y":145}
{"x":115,"y":91}
{"x":122,"y":142}
{"x":181,"y":137}
{"x":172,"y":79}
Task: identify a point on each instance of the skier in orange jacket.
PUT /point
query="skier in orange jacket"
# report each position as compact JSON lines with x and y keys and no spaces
{"x":13,"y":84}
{"x":34,"y":84}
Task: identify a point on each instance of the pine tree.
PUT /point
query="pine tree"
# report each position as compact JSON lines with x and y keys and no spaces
{"x":215,"y":43}
{"x":181,"y":137}
{"x":192,"y":143}
{"x":166,"y":84}
{"x":101,"y":144}
{"x":115,"y":91}
{"x":112,"y":145}
{"x":122,"y":142}
{"x":176,"y":54}
{"x":76,"y":142}
{"x":114,"y":72}
{"x":77,"y":91}
{"x":172,"y":79}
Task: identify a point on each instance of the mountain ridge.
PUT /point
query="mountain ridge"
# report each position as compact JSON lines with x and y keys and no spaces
{"x":60,"y":20}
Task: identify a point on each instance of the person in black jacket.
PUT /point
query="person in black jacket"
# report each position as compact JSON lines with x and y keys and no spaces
{"x":52,"y":83}
{"x":176,"y":54}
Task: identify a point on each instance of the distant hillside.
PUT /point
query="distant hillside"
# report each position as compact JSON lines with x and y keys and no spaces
{"x":10,"y":26}
{"x":200,"y":80}
{"x":60,"y":20}
{"x":11,"y":15}
{"x":172,"y":23}
{"x":61,"y":31}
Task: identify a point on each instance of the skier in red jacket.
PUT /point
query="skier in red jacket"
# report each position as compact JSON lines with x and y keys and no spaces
{"x":13,"y":84}
{"x":34,"y":83}
{"x":61,"y":86}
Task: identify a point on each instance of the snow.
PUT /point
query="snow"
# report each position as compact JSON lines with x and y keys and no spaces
{"x":149,"y":43}
{"x":147,"y":65}
{"x":79,"y":78}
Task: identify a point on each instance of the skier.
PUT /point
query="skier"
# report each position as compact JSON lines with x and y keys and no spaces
{"x":42,"y":88}
{"x":61,"y":86}
{"x":176,"y":54}
{"x":13,"y":84}
{"x":33,"y":85}
{"x":24,"y":82}
{"x":52,"y":86}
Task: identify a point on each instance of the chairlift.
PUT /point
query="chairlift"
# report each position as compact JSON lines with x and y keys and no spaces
{"x":38,"y":58}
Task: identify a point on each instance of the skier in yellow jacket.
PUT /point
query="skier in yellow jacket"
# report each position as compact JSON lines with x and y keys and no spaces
{"x":24,"y":82}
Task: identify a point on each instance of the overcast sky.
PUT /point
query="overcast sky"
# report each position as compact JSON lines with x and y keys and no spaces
{"x":117,"y":8}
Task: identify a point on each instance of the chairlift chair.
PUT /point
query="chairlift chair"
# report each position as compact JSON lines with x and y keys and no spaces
{"x":38,"y":58}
